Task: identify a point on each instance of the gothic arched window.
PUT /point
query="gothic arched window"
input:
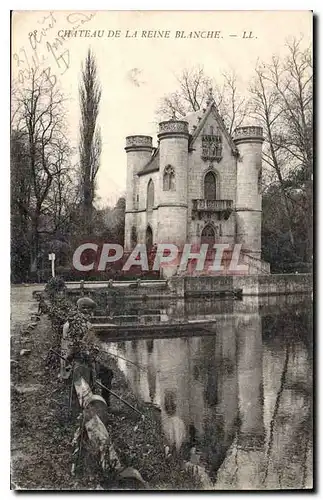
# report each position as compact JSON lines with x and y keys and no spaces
{"x":169,"y":179}
{"x":210,"y":186}
{"x":150,"y":195}
{"x":208,"y":235}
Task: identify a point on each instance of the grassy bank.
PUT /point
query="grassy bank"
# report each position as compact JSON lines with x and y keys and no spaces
{"x":43,"y":425}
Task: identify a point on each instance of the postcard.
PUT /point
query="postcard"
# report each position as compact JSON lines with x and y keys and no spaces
{"x":162,"y":250}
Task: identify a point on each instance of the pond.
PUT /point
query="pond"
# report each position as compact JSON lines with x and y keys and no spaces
{"x":237,"y":400}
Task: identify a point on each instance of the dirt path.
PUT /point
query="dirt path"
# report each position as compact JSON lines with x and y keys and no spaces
{"x":22,"y":305}
{"x":42,"y":426}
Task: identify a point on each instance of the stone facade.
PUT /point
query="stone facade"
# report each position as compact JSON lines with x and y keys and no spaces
{"x":198,"y":185}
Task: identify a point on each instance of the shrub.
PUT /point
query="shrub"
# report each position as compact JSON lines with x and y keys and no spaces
{"x":55,"y":286}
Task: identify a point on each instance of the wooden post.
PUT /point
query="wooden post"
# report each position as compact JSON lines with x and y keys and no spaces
{"x":51,"y":256}
{"x":95,"y":419}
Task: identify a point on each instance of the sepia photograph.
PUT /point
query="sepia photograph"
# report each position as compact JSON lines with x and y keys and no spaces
{"x":161,"y":232}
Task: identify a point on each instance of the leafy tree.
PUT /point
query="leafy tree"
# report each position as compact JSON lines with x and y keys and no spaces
{"x":113,"y":221}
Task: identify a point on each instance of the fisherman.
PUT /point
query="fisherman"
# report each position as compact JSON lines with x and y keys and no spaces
{"x":91,"y":351}
{"x":86,"y":305}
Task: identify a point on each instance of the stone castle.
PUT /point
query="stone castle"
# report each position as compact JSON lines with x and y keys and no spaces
{"x":199,"y":184}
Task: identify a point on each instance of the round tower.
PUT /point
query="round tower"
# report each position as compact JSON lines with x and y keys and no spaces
{"x":173,"y":161}
{"x":248,"y":192}
{"x":139,"y":150}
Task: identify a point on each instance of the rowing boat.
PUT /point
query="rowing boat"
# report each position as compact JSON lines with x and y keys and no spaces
{"x":160,"y":329}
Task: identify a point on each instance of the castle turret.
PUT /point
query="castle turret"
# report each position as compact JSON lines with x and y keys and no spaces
{"x":139,"y":150}
{"x":173,"y":159}
{"x":248,"y":195}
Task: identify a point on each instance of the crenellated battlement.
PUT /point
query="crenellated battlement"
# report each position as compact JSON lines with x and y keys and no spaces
{"x":139,"y":142}
{"x":173,"y":128}
{"x":248,"y":134}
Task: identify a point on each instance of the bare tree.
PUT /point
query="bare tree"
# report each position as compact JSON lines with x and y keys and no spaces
{"x":90,"y":136}
{"x":232,"y":104}
{"x":292,"y":79}
{"x":266,"y":109}
{"x":63,"y":199}
{"x":282,"y":102}
{"x":39,"y":123}
{"x":192,"y":95}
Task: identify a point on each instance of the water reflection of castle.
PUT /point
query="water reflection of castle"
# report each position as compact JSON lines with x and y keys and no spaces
{"x":214,"y":390}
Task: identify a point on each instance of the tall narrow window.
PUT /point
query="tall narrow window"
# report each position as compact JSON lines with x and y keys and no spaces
{"x":169,"y":179}
{"x":210,"y":186}
{"x":133,"y":236}
{"x":150,"y":195}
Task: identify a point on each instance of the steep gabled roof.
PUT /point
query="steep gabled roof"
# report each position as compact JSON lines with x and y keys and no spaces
{"x":152,"y":165}
{"x":196,"y":122}
{"x":203,"y":117}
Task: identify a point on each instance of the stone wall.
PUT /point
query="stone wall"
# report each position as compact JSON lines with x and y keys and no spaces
{"x":251,"y":285}
{"x":274,"y":284}
{"x":179,"y":287}
{"x":207,"y":284}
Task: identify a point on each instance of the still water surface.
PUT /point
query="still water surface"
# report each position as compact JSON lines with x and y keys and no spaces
{"x":237,"y":399}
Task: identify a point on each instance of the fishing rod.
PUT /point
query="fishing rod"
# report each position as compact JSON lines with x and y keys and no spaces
{"x":118,"y":397}
{"x":142,"y":367}
{"x":106,"y":388}
{"x":138,"y":365}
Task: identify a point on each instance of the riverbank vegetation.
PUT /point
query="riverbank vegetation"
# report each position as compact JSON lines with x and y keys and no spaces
{"x":44,"y":421}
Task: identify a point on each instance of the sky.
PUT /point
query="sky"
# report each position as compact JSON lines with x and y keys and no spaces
{"x":136,"y":71}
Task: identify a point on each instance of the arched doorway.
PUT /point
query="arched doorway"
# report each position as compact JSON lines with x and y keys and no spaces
{"x":210,"y":186}
{"x":149,"y":237}
{"x":208,"y":235}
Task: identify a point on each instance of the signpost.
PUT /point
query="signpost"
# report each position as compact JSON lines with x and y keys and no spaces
{"x":51,"y":256}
